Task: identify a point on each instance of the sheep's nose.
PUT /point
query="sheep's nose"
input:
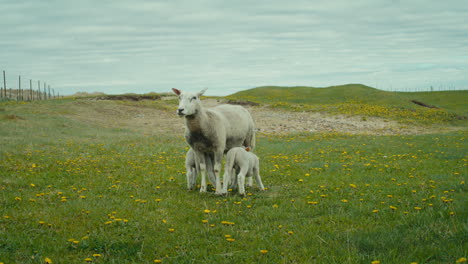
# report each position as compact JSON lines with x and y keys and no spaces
{"x":180,"y":111}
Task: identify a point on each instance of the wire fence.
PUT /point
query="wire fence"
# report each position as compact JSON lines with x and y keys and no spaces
{"x":24,"y":92}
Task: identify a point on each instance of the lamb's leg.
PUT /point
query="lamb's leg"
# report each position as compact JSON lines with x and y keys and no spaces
{"x":256,"y":171}
{"x":217,"y":168}
{"x":241,"y":180}
{"x":226,"y":180}
{"x":201,"y":161}
{"x":233,"y":180}
{"x":209,"y":169}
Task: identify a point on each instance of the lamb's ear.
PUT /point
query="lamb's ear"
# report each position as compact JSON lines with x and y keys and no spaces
{"x":176,"y":91}
{"x":247,"y":149}
{"x":202,"y":92}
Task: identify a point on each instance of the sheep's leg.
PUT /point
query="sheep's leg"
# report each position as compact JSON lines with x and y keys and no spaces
{"x":217,"y":168}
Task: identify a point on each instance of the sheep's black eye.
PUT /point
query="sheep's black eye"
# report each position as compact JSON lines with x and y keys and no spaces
{"x":193,"y":98}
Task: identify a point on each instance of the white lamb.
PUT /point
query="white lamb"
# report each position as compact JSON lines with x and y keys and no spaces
{"x":214,"y":131}
{"x":192,"y":169}
{"x":240,"y":164}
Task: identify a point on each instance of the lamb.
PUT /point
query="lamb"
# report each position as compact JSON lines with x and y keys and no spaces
{"x":214,"y":131}
{"x":240,"y":163}
{"x":192,"y":169}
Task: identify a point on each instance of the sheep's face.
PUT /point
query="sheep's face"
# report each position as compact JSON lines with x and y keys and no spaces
{"x":189,"y":103}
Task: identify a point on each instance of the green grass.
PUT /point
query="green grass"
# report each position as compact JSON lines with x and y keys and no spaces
{"x":70,"y":190}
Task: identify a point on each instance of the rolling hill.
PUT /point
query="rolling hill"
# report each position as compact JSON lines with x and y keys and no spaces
{"x":451,"y":101}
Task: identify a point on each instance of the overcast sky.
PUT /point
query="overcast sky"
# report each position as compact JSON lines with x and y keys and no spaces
{"x":227,"y":46}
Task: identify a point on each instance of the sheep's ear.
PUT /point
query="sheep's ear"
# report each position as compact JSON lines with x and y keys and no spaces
{"x":202,"y":92}
{"x":247,"y":149}
{"x":176,"y":91}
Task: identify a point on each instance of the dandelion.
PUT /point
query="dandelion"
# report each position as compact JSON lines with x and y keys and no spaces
{"x":264,"y":251}
{"x":354,"y":186}
{"x":344,"y":201}
{"x":157,"y":261}
{"x":227,"y":223}
{"x":375,"y":211}
{"x":375,"y":262}
{"x":275,"y":206}
{"x":171,"y":230}
{"x":48,"y":260}
{"x":88,"y":259}
{"x":461,"y":260}
{"x":417,"y":208}
{"x":290,"y":232}
{"x":206,"y":211}
{"x":393,"y":208}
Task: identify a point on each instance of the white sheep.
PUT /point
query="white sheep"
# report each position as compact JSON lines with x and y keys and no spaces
{"x":214,"y":130}
{"x":240,"y":163}
{"x":192,"y":169}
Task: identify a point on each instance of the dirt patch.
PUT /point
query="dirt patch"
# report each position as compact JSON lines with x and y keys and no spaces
{"x":128,"y":97}
{"x":153,"y":121}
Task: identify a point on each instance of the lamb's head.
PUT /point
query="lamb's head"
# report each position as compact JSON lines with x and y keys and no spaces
{"x":189,"y":103}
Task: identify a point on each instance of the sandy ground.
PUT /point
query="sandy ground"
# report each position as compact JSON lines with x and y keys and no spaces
{"x":153,"y":121}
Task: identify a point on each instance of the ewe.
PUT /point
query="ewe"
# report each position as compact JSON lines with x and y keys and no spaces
{"x":240,"y":164}
{"x":214,"y":131}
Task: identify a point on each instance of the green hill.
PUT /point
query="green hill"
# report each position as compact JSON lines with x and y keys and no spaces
{"x":451,"y":101}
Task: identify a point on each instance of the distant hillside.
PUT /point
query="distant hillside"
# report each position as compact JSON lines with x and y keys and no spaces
{"x":452,"y":101}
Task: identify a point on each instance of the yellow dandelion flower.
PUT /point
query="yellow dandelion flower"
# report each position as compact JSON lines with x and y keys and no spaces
{"x":263,"y":251}
{"x":97,"y":255}
{"x":204,"y":221}
{"x":206,"y":211}
{"x":48,"y":260}
{"x":461,"y":260}
{"x":393,"y":207}
{"x":171,"y":230}
{"x":375,"y":262}
{"x":88,"y":259}
{"x":157,"y":261}
{"x":375,"y":211}
{"x":417,"y":208}
{"x":230,"y":239}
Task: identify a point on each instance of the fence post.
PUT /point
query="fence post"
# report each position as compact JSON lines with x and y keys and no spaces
{"x":45,"y":92}
{"x":39,"y":90}
{"x":30,"y":91}
{"x":18,"y":94}
{"x":4,"y":84}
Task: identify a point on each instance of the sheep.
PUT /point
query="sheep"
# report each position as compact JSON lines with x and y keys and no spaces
{"x":214,"y":130}
{"x":240,"y":163}
{"x":192,"y":169}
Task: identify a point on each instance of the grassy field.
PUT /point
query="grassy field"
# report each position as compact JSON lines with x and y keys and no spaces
{"x":73,"y":191}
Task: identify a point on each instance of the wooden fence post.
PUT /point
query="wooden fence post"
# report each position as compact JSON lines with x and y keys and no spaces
{"x":39,"y":90}
{"x":4,"y":84}
{"x":30,"y":91}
